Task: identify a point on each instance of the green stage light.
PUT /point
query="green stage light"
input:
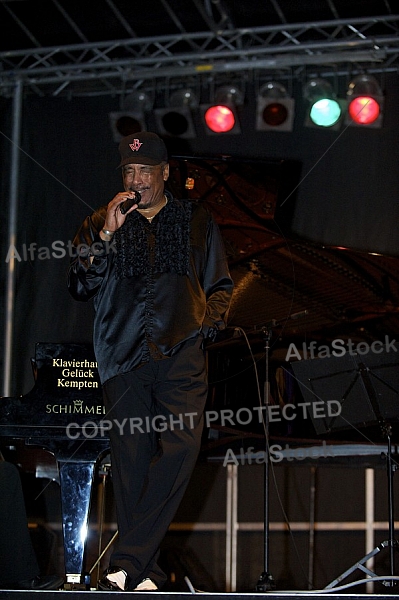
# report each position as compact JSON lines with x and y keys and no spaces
{"x":324,"y":109}
{"x":325,"y":112}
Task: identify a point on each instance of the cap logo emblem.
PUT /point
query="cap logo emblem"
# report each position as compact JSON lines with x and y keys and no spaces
{"x":136,"y":145}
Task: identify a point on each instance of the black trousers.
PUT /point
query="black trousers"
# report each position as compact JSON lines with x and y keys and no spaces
{"x":17,"y":557}
{"x":156,"y":412}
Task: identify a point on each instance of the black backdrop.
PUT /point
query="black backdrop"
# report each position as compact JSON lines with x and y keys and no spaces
{"x":348,"y":196}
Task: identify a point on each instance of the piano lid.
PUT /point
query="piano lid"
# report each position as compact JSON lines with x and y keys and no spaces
{"x":312,"y":291}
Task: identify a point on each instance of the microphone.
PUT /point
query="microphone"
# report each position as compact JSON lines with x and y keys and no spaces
{"x":125,"y":206}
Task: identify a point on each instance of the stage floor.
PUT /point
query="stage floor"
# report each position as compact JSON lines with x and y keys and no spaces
{"x":284,"y":595}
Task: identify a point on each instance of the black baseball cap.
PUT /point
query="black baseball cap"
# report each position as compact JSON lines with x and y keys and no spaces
{"x":143,"y":148}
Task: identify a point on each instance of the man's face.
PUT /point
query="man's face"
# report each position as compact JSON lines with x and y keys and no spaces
{"x":149,"y":180}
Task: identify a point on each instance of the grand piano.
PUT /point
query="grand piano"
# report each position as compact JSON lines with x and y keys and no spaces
{"x":315,"y":302}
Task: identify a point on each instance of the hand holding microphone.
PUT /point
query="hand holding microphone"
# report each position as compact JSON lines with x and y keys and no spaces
{"x":127,"y":205}
{"x":115,"y":208}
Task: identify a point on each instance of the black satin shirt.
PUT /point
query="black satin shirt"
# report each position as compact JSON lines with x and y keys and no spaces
{"x":152,"y":313}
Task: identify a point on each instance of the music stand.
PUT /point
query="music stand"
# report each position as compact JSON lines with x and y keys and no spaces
{"x":364,"y":391}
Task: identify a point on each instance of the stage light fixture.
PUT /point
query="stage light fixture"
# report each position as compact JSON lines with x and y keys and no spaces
{"x":137,"y":100}
{"x":274,"y":108}
{"x":131,"y":118}
{"x":221,"y":116}
{"x":126,"y":122}
{"x":324,"y":108}
{"x":176,"y":120}
{"x":365,"y":101}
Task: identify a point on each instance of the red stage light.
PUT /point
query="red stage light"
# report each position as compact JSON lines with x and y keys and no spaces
{"x":274,"y":108}
{"x":220,"y":119}
{"x":364,"y":110}
{"x":275,"y":114}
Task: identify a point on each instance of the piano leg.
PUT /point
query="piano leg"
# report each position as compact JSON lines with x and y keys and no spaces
{"x":76,"y":480}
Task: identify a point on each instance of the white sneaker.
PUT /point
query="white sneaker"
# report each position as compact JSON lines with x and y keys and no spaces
{"x":147,"y":585}
{"x":114,"y":579}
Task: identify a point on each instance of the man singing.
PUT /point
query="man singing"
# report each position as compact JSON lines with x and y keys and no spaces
{"x":161,"y":287}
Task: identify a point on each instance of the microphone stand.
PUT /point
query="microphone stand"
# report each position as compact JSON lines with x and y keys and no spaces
{"x":266,"y":582}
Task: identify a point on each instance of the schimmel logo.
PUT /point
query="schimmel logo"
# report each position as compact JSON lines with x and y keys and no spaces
{"x":76,"y":408}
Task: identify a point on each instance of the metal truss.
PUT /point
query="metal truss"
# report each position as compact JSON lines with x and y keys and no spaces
{"x":106,"y":68}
